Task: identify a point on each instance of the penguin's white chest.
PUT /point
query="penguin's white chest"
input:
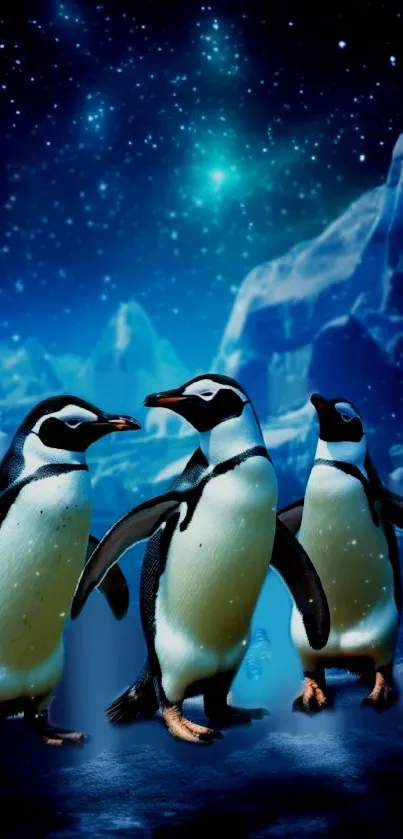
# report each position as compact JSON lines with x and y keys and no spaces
{"x":214,"y":572}
{"x":43,"y":543}
{"x":350,"y":554}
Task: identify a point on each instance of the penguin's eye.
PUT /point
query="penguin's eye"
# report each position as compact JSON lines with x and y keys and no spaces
{"x":206,"y":393}
{"x":346,"y":417}
{"x":73,"y":423}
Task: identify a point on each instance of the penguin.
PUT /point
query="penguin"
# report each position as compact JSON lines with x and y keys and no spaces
{"x":213,"y":535}
{"x":45,"y":511}
{"x":346,"y":525}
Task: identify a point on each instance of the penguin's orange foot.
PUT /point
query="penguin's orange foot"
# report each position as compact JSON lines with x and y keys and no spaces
{"x":312,"y":699}
{"x":383,"y":695}
{"x":235,"y":716}
{"x":190,"y":732}
{"x":55,"y":736}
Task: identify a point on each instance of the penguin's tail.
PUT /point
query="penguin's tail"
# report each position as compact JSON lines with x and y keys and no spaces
{"x":138,"y":702}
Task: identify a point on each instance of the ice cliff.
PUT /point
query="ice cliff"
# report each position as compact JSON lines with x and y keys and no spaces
{"x":328,"y":316}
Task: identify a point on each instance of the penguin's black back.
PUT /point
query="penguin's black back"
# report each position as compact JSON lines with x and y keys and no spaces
{"x":12,"y":463}
{"x":389,"y":530}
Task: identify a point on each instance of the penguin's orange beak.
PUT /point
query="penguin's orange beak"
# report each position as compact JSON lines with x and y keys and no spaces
{"x":164,"y":400}
{"x":121,"y":422}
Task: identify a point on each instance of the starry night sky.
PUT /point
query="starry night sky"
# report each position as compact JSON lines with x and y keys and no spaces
{"x":160,"y":150}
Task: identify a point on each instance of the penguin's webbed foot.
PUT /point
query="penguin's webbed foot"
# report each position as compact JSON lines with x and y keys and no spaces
{"x":188,"y":731}
{"x":383,"y":695}
{"x":235,"y":716}
{"x":312,"y":699}
{"x":59,"y":737}
{"x":53,"y":736}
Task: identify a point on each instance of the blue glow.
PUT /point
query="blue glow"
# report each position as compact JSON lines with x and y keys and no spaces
{"x":218,"y":176}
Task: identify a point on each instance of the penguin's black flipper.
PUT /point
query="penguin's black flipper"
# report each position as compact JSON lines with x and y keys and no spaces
{"x":391,"y":502}
{"x":392,"y":505}
{"x":134,"y":527}
{"x":93,"y":543}
{"x":116,"y":591}
{"x":292,"y":562}
{"x":114,"y":586}
{"x":291,"y":515}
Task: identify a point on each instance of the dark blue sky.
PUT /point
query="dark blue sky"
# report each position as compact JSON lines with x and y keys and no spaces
{"x":162,"y":155}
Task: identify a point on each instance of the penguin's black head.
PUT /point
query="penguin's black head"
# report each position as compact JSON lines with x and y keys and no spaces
{"x":204,"y":402}
{"x":71,"y":424}
{"x":339,"y":420}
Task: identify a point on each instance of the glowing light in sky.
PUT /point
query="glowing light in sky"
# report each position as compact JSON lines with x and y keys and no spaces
{"x":218,"y":176}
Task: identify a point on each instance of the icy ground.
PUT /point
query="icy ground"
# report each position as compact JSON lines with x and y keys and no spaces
{"x":334,"y":775}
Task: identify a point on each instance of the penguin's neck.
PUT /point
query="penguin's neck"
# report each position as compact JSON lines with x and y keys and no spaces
{"x":35,"y":455}
{"x":345,"y":451}
{"x":231,"y":437}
